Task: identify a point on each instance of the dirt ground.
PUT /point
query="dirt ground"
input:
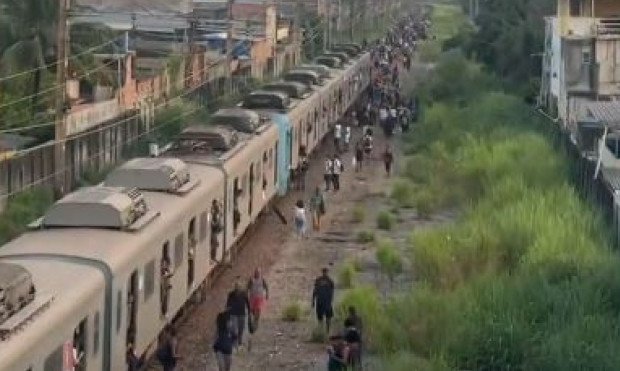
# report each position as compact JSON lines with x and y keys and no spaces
{"x":290,"y":266}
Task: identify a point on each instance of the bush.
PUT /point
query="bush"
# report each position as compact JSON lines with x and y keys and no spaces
{"x":292,"y":312}
{"x":385,"y":220}
{"x":359,"y":214}
{"x":318,"y":335}
{"x":403,"y":193}
{"x":21,"y":210}
{"x":346,"y":275}
{"x":365,"y":236}
{"x":389,"y":259}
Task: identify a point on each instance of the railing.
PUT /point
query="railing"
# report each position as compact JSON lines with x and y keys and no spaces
{"x":92,"y":115}
{"x":608,"y":26}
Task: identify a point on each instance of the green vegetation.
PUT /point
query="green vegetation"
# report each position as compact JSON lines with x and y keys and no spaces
{"x":346,"y":275}
{"x":385,"y":220}
{"x":21,"y":210}
{"x":448,"y":21}
{"x":359,"y":213}
{"x":318,"y":335}
{"x":292,"y":312}
{"x":389,"y":259}
{"x":524,"y":278}
{"x":365,"y":236}
{"x":403,"y":193}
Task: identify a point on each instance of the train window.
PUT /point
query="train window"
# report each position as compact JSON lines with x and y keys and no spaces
{"x":265,"y":157}
{"x":203,"y":226}
{"x":96,"y":326}
{"x":270,"y":157}
{"x":149,"y":279}
{"x":164,"y":278}
{"x":54,"y":362}
{"x":80,"y":336}
{"x":119,"y":310}
{"x":178,"y":251}
{"x":191,"y":250}
{"x":275,"y":171}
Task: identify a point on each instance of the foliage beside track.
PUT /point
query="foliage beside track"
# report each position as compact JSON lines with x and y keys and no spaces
{"x":524,"y":278}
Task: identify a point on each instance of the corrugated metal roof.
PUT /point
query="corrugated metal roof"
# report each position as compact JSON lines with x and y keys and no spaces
{"x":607,"y":113}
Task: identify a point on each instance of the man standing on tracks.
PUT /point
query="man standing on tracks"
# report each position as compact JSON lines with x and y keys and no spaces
{"x":337,"y":169}
{"x":239,"y":305}
{"x":322,"y":298}
{"x":258,"y":291}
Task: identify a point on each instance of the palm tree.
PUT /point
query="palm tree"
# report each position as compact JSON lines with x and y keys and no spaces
{"x":30,"y":26}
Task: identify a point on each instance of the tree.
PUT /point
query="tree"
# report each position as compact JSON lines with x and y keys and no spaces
{"x":29,"y":26}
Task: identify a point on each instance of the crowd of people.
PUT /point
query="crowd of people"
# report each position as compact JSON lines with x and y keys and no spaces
{"x":383,"y":107}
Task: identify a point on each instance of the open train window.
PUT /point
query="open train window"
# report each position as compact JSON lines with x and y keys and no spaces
{"x":80,"y":336}
{"x":119,"y":310}
{"x":236,"y":214}
{"x":191,"y":251}
{"x":149,"y":279}
{"x":275,"y":170}
{"x":96,"y":326}
{"x":164,"y":279}
{"x":54,"y":362}
{"x":217,"y":226}
{"x":178,"y":251}
{"x":202,"y":235}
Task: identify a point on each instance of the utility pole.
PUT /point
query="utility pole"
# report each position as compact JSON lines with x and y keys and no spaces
{"x":326,"y":39}
{"x":275,"y":39}
{"x":229,"y":48}
{"x":60,"y":135}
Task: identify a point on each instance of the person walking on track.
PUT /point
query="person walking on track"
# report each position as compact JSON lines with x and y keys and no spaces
{"x":224,"y":341}
{"x":167,"y":353}
{"x":359,"y":156}
{"x":317,"y":206}
{"x":329,"y":165}
{"x":337,"y":169}
{"x":388,"y":159}
{"x":258,"y":292}
{"x":323,"y":297}
{"x":239,"y":306}
{"x":300,"y":219}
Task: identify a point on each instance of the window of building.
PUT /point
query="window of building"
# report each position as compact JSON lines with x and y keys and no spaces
{"x":149,"y":279}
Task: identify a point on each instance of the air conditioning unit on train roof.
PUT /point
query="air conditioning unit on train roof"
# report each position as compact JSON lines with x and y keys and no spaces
{"x":208,"y":138}
{"x":99,"y":207}
{"x":16,"y":290}
{"x":243,"y":120}
{"x":293,"y":89}
{"x":153,"y":174}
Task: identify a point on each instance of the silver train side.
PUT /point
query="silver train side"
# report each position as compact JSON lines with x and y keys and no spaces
{"x":96,"y":262}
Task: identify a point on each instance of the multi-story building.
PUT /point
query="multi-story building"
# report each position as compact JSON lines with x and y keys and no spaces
{"x":581,"y":61}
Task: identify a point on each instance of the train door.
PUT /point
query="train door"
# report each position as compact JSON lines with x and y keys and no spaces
{"x":132,"y":308}
{"x":251,"y":189}
{"x":164,"y":278}
{"x":235,"y":213}
{"x":191,"y":252}
{"x":275,"y":164}
{"x":289,"y":147}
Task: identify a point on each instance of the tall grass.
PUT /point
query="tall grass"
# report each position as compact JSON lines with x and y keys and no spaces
{"x":524,"y":278}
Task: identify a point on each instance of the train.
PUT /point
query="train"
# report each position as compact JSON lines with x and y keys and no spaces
{"x":110,"y":266}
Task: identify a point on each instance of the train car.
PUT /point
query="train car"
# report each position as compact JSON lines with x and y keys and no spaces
{"x":112,"y":265}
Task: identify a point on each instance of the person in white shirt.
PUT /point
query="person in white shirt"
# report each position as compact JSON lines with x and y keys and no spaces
{"x":300,"y":219}
{"x":337,"y":169}
{"x":337,"y":135}
{"x":329,"y":166}
{"x":347,"y":137}
{"x":383,"y":115}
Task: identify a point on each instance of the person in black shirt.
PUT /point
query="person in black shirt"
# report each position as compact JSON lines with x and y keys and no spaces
{"x":238,"y":305}
{"x":353,"y":338}
{"x":224,"y":341}
{"x":322,"y":298}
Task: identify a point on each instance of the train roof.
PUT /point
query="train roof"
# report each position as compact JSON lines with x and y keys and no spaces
{"x":63,"y":289}
{"x":117,"y":247}
{"x":294,"y":89}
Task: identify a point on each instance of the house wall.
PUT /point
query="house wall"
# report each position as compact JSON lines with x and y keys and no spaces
{"x":606,"y":8}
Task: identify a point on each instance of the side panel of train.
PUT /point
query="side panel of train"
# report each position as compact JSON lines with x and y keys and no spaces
{"x":252,"y":182}
{"x":75,"y":319}
{"x":173,"y":262}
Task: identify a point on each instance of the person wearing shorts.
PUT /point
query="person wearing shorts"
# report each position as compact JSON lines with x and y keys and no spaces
{"x":258,"y":292}
{"x":322,"y":298}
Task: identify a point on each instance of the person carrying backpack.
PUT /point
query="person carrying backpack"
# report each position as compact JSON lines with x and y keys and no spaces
{"x":224,"y":341}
